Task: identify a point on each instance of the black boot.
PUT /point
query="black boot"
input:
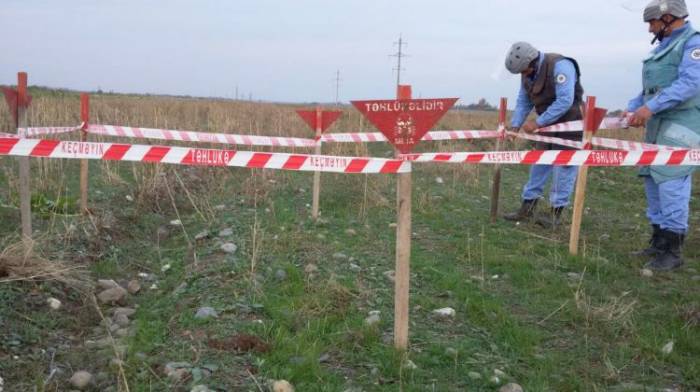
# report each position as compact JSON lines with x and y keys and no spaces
{"x":670,"y":257}
{"x":656,"y":244}
{"x":527,"y":209}
{"x":551,"y":219}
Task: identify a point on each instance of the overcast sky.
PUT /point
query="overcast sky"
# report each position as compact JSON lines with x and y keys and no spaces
{"x":290,"y":50}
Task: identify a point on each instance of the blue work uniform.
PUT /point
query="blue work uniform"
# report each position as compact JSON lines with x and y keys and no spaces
{"x":563,"y":177}
{"x":671,"y":80}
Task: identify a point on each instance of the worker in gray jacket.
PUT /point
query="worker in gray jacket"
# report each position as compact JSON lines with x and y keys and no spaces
{"x":550,"y":83}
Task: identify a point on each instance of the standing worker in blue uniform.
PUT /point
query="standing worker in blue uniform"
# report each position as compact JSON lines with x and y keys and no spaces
{"x":669,"y":106}
{"x":550,"y":83}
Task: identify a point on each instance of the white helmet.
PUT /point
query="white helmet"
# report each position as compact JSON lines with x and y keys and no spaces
{"x":520,"y":56}
{"x":658,"y":8}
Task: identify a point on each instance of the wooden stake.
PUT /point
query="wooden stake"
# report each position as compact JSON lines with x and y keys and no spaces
{"x":580,"y":196}
{"x":402,"y":271}
{"x":85,"y":117}
{"x":317,"y":174}
{"x":25,"y":194}
{"x":403,"y":261}
{"x":496,"y":187}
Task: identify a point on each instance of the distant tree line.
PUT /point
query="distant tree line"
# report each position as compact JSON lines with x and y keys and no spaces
{"x":481,"y":105}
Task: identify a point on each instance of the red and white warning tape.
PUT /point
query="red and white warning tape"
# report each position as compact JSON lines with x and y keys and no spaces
{"x":203,"y":137}
{"x":353,"y":137}
{"x":547,"y":139}
{"x":41,"y":131}
{"x":255,"y":140}
{"x":252,"y":140}
{"x":209,"y":157}
{"x":430,"y":136}
{"x":626,"y":145}
{"x":630,"y":145}
{"x":196,"y":156}
{"x":577,"y":126}
{"x":567,"y":158}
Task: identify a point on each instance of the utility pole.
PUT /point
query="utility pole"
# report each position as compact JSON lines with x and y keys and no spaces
{"x":337,"y":88}
{"x":236,"y":92}
{"x":399,"y":55}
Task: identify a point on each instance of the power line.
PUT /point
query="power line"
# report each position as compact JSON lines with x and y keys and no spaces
{"x":399,"y":56}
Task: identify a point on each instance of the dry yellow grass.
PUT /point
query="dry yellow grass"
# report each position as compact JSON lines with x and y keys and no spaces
{"x":18,"y":265}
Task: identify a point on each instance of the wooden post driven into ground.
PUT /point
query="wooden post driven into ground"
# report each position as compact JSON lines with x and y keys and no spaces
{"x":85,"y":118}
{"x":403,"y":248}
{"x":404,"y":122}
{"x":496,"y":186}
{"x":318,"y":120}
{"x":317,"y":174}
{"x":581,"y":180}
{"x":25,"y":195}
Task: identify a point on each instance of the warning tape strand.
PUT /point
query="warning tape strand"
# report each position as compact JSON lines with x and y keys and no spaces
{"x":430,"y":136}
{"x":630,"y":145}
{"x":203,"y":137}
{"x":548,"y":139}
{"x":577,"y":126}
{"x":596,"y":141}
{"x":46,"y":148}
{"x":567,"y":157}
{"x":253,"y":140}
{"x":41,"y":131}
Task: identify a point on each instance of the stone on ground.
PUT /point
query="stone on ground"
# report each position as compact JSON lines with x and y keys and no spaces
{"x":128,"y":312}
{"x":133,"y":287}
{"x":177,"y":371}
{"x":226,"y":232}
{"x":106,"y":284}
{"x":282,"y":386}
{"x":512,"y":387}
{"x":54,"y":303}
{"x":110,"y":296}
{"x":81,"y":379}
{"x":373,"y":318}
{"x":667,"y":349}
{"x":202,"y":235}
{"x":229,"y":247}
{"x":281,"y":274}
{"x":444,"y":312}
{"x":206,"y":313}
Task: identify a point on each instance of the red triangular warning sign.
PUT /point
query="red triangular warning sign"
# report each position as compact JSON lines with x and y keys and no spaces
{"x":12,"y":98}
{"x":405,"y":122}
{"x":327,"y":118}
{"x":598,"y":118}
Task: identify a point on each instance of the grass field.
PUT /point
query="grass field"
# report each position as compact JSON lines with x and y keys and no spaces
{"x":293,"y":298}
